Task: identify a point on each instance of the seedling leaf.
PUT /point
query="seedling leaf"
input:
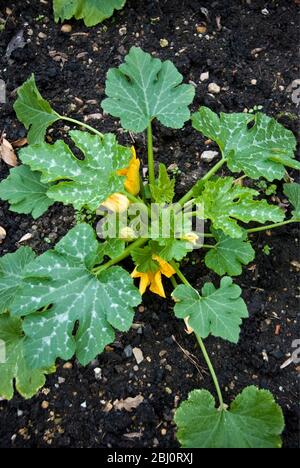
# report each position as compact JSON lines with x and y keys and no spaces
{"x":164,"y":190}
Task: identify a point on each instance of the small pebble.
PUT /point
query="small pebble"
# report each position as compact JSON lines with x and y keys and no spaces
{"x":66,"y":28}
{"x":213,"y":88}
{"x":128,"y":351}
{"x":204,"y":76}
{"x":163,"y":43}
{"x":83,"y":405}
{"x":209,"y":155}
{"x":45,"y":404}
{"x":254,"y":82}
{"x":98,"y":373}
{"x":68,"y":365}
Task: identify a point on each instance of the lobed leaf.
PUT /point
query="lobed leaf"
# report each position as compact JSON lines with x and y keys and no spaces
{"x":218,"y":311}
{"x":82,"y":183}
{"x":25,"y":192}
{"x":225,"y":203}
{"x":91,"y":11}
{"x":144,"y":88}
{"x":228,"y":255}
{"x":12,"y":270}
{"x":254,"y":420}
{"x":34,"y":111}
{"x":15,"y":369}
{"x":292,"y":191}
{"x":62,"y":280}
{"x":255,"y":144}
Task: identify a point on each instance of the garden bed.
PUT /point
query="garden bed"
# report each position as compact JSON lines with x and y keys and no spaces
{"x":75,"y":408}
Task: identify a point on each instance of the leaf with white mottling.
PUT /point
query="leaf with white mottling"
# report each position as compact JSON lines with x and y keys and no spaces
{"x":263,"y":150}
{"x":228,"y":255}
{"x":218,"y":311}
{"x":62,"y":279}
{"x":15,"y":369}
{"x":225,"y":203}
{"x":292,"y":191}
{"x":12,"y":268}
{"x":82,"y":183}
{"x":25,"y":192}
{"x":144,"y":88}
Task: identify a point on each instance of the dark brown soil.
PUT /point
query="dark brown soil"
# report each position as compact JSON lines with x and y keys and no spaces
{"x":77,"y":414}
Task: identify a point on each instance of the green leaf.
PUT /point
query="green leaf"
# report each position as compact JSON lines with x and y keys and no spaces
{"x":112,"y":247}
{"x":174,"y":249}
{"x":62,"y":280}
{"x":225,"y":202}
{"x":142,"y":258}
{"x":260,"y":151}
{"x":15,"y":369}
{"x":228,"y":255}
{"x":254,"y":420}
{"x":34,"y":111}
{"x":144,"y":88}
{"x":82,"y":183}
{"x":12,"y":268}
{"x":292,"y":191}
{"x":91,"y":11}
{"x":164,"y":190}
{"x":217,"y":311}
{"x":25,"y":192}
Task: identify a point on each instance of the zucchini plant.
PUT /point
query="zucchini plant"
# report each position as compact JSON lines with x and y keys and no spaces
{"x":91,"y":11}
{"x":70,"y":300}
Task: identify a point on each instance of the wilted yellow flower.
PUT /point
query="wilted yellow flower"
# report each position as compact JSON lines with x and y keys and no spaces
{"x":154,"y":280}
{"x":132,"y":174}
{"x":191,"y":237}
{"x":117,"y":203}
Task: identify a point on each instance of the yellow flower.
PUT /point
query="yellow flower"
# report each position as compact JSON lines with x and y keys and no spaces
{"x":191,"y":237}
{"x":154,"y":280}
{"x":132,"y":174}
{"x":116,"y":203}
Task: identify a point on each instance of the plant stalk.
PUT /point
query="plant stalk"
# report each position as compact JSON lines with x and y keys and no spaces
{"x":122,"y":256}
{"x":207,"y":176}
{"x":82,"y":124}
{"x":150,"y":155}
{"x":201,"y":344}
{"x":271,"y":226}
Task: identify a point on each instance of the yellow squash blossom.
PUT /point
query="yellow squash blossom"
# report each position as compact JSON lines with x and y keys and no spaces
{"x":132,"y":174}
{"x":191,"y":237}
{"x":118,"y":202}
{"x":154,"y":280}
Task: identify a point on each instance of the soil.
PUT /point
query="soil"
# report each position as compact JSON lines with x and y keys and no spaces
{"x":70,"y":71}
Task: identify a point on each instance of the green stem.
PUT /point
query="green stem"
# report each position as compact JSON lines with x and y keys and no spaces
{"x":207,"y":176}
{"x":211,"y":370}
{"x":201,"y":344}
{"x":208,"y":246}
{"x":150,"y":155}
{"x":271,"y":226}
{"x":82,"y":124}
{"x":122,"y":256}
